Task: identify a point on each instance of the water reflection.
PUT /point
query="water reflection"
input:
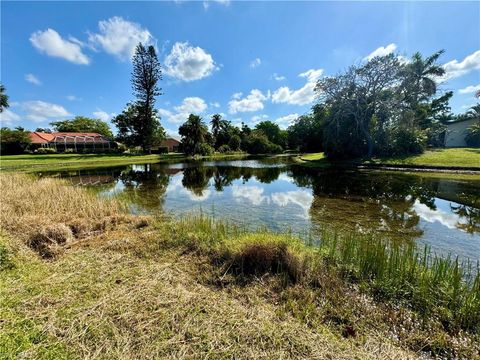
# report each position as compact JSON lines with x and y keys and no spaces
{"x":280,"y":196}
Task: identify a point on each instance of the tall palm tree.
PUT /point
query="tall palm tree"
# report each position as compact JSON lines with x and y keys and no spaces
{"x":421,"y":77}
{"x":3,"y":98}
{"x":216,"y":124}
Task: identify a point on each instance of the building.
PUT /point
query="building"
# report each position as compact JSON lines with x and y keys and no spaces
{"x":171,"y":143}
{"x":456,"y":132}
{"x":61,"y":141}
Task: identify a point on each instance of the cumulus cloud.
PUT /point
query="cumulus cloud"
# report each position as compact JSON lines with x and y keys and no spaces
{"x":304,"y":95}
{"x":255,"y":63}
{"x":215,"y":104}
{"x":470,"y":89}
{"x":381,"y":51}
{"x":206,"y":3}
{"x":287,"y":120}
{"x":103,"y":115}
{"x":52,"y":44}
{"x":252,"y":102}
{"x":39,"y":111}
{"x":455,"y":68}
{"x":252,"y":194}
{"x":278,"y":77}
{"x":72,"y":97}
{"x":189,"y":105}
{"x":8,"y":117}
{"x":188,"y":63}
{"x":119,"y":37}
{"x":33,"y":79}
{"x":259,"y":118}
{"x":301,"y":198}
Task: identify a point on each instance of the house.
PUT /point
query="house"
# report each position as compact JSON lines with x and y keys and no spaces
{"x":61,"y":141}
{"x":456,"y":132}
{"x":171,"y":143}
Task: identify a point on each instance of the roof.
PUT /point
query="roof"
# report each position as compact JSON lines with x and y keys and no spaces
{"x":459,"y":121}
{"x":42,"y":138}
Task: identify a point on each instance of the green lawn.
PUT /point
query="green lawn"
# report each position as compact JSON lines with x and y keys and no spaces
{"x":441,"y":158}
{"x":70,"y":161}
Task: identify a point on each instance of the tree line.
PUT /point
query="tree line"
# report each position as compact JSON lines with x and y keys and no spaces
{"x":386,"y":106}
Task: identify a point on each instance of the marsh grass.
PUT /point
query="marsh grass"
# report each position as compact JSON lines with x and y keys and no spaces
{"x":434,"y":286}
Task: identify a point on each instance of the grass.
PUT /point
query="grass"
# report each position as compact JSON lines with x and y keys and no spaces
{"x":120,"y":286}
{"x":434,"y":158}
{"x":49,"y":162}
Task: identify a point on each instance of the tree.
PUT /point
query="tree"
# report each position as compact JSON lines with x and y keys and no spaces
{"x":194,"y":133}
{"x":44,"y":130}
{"x":3,"y":98}
{"x":139,"y":124}
{"x":273,"y":132}
{"x":216,"y":123}
{"x":129,"y":122}
{"x":83,"y":124}
{"x":14,"y":141}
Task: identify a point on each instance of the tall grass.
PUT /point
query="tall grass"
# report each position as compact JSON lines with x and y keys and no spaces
{"x":439,"y":287}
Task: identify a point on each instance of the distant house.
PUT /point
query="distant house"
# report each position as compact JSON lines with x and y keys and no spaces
{"x":456,"y":132}
{"x":171,"y":143}
{"x":61,"y":141}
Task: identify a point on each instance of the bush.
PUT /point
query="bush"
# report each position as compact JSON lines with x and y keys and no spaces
{"x":204,"y":149}
{"x":473,"y":135}
{"x":257,"y":143}
{"x":69,"y":151}
{"x":45,"y":151}
{"x":224,"y":149}
{"x":408,"y":142}
{"x":234,"y":142}
{"x":161,"y":150}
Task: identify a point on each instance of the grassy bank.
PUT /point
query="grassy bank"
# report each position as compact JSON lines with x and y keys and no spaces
{"x":75,"y":161}
{"x":89,"y":280}
{"x":439,"y":158}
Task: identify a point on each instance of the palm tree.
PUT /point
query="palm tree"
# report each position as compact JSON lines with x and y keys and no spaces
{"x":3,"y":98}
{"x":421,"y":77}
{"x":193,"y":132}
{"x":216,"y":125}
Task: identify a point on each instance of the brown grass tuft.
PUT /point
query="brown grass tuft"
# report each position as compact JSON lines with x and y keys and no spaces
{"x":48,"y":240}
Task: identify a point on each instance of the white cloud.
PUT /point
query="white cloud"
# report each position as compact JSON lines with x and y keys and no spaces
{"x":52,"y":44}
{"x":72,"y":97}
{"x":119,"y":37}
{"x":215,"y":104}
{"x":103,"y":115}
{"x":301,"y":198}
{"x":8,"y":118}
{"x":39,"y":111}
{"x":287,"y":120}
{"x":206,"y":3}
{"x":255,"y":63}
{"x":259,"y":118}
{"x":381,"y":51}
{"x":304,"y":95}
{"x":252,"y":102}
{"x":188,"y":63}
{"x":470,"y":89}
{"x":33,"y":79}
{"x":455,"y":68}
{"x":189,"y":105}
{"x":278,"y":77}
{"x":449,"y":220}
{"x":253,"y":194}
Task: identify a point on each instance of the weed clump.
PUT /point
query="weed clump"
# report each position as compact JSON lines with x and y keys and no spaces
{"x":48,"y":241}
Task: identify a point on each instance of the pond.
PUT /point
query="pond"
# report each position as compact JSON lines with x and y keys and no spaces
{"x":442,"y":212}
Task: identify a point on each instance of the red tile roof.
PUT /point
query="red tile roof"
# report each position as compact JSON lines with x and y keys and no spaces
{"x":43,"y":138}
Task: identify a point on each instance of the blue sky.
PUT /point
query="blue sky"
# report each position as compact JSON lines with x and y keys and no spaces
{"x":247,"y":60}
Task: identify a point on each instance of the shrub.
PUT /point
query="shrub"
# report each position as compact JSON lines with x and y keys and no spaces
{"x":204,"y":149}
{"x":69,"y":151}
{"x":45,"y":151}
{"x":161,"y":150}
{"x":408,"y":142}
{"x":224,"y":149}
{"x":234,"y":142}
{"x":473,"y":135}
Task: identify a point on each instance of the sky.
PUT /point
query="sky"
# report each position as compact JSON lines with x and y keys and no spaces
{"x":249,"y":61}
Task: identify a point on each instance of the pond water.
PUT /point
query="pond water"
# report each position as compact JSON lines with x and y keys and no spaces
{"x":443,"y":212}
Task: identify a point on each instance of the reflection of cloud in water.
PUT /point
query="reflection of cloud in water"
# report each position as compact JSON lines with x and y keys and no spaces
{"x":254,"y":194}
{"x":285,"y":177}
{"x":449,"y":220}
{"x":194,"y":197}
{"x":299,"y":197}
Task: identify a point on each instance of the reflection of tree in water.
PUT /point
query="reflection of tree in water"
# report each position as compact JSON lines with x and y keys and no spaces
{"x":197,"y":179}
{"x":145,"y":186}
{"x":470,"y":213}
